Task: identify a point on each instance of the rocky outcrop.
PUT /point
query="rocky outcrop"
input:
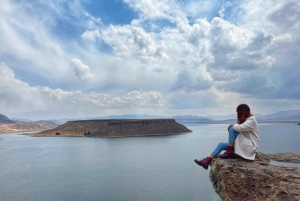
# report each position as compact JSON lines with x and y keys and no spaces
{"x":117,"y":128}
{"x":240,"y":179}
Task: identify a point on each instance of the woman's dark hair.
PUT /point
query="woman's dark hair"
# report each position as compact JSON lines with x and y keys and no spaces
{"x":243,"y":112}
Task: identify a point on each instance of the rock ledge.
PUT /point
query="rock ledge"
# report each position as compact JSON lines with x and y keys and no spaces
{"x":240,"y":179}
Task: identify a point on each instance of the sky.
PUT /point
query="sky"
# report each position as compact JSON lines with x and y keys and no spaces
{"x":91,"y":58}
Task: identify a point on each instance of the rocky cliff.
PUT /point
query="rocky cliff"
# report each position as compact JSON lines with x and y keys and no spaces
{"x":239,"y":179}
{"x":117,"y":128}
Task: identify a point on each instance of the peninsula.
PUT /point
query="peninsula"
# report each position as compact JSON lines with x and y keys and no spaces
{"x":116,"y":128}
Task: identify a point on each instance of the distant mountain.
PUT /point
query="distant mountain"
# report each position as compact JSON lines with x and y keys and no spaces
{"x":281,"y":115}
{"x":221,"y":117}
{"x":132,"y":116}
{"x":60,"y":121}
{"x":21,"y":126}
{"x":190,"y":118}
{"x":185,"y":118}
{"x":5,"y":119}
{"x":124,"y":116}
{"x":20,"y":119}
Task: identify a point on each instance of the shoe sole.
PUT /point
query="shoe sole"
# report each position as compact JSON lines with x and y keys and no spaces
{"x":200,"y":164}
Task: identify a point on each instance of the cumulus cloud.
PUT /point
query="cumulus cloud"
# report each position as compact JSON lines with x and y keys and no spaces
{"x":134,"y":41}
{"x":81,"y":71}
{"x":15,"y":94}
{"x":91,"y":35}
{"x":235,"y":48}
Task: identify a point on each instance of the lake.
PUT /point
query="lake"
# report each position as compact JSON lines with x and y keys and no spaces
{"x":131,"y":168}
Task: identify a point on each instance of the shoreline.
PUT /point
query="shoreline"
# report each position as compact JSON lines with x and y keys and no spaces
{"x":22,"y":131}
{"x":150,"y":135}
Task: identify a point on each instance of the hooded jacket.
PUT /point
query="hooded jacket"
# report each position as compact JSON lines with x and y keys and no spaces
{"x":246,"y":143}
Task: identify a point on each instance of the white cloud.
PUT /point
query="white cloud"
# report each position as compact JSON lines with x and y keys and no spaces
{"x":197,"y":100}
{"x":133,"y":41}
{"x":156,"y":9}
{"x":17,"y":97}
{"x":81,"y":71}
{"x":93,"y":32}
{"x":249,"y":52}
{"x":201,"y":9}
{"x":26,"y":36}
{"x":91,"y":35}
{"x":190,"y":81}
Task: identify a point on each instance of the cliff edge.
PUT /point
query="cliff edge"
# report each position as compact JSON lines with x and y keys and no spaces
{"x":117,"y":128}
{"x":240,"y":179}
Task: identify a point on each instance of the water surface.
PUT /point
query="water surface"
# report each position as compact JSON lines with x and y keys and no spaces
{"x":131,"y":168}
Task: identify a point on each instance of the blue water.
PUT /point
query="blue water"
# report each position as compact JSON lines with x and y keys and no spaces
{"x":132,"y":168}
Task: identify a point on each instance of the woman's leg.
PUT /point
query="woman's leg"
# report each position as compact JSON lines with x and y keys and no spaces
{"x":220,"y":147}
{"x":232,"y":134}
{"x":206,"y":161}
{"x":230,"y":149}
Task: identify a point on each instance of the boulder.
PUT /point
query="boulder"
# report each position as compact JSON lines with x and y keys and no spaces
{"x":240,"y":179}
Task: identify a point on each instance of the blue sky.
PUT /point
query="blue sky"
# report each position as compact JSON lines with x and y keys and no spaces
{"x":85,"y":58}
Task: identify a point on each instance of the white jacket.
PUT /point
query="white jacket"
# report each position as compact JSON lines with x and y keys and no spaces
{"x":246,"y":143}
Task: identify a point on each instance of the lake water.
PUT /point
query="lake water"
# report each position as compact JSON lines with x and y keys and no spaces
{"x":133,"y":168}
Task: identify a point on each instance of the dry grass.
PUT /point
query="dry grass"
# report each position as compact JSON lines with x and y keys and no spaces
{"x":26,"y":126}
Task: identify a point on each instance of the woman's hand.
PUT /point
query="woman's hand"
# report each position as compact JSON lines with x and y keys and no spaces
{"x":230,"y":125}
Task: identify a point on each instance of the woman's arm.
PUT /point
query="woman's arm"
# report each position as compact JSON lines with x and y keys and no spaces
{"x":248,"y":125}
{"x":230,"y":125}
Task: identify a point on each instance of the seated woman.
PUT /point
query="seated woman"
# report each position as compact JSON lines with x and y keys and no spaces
{"x":243,"y":138}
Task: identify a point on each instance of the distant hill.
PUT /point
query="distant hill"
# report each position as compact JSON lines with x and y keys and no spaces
{"x":132,"y":116}
{"x":5,"y":120}
{"x":289,"y":115}
{"x":21,"y":119}
{"x":221,"y":117}
{"x":282,"y":115}
{"x":191,"y":118}
{"x":124,"y":116}
{"x":9,"y":126}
